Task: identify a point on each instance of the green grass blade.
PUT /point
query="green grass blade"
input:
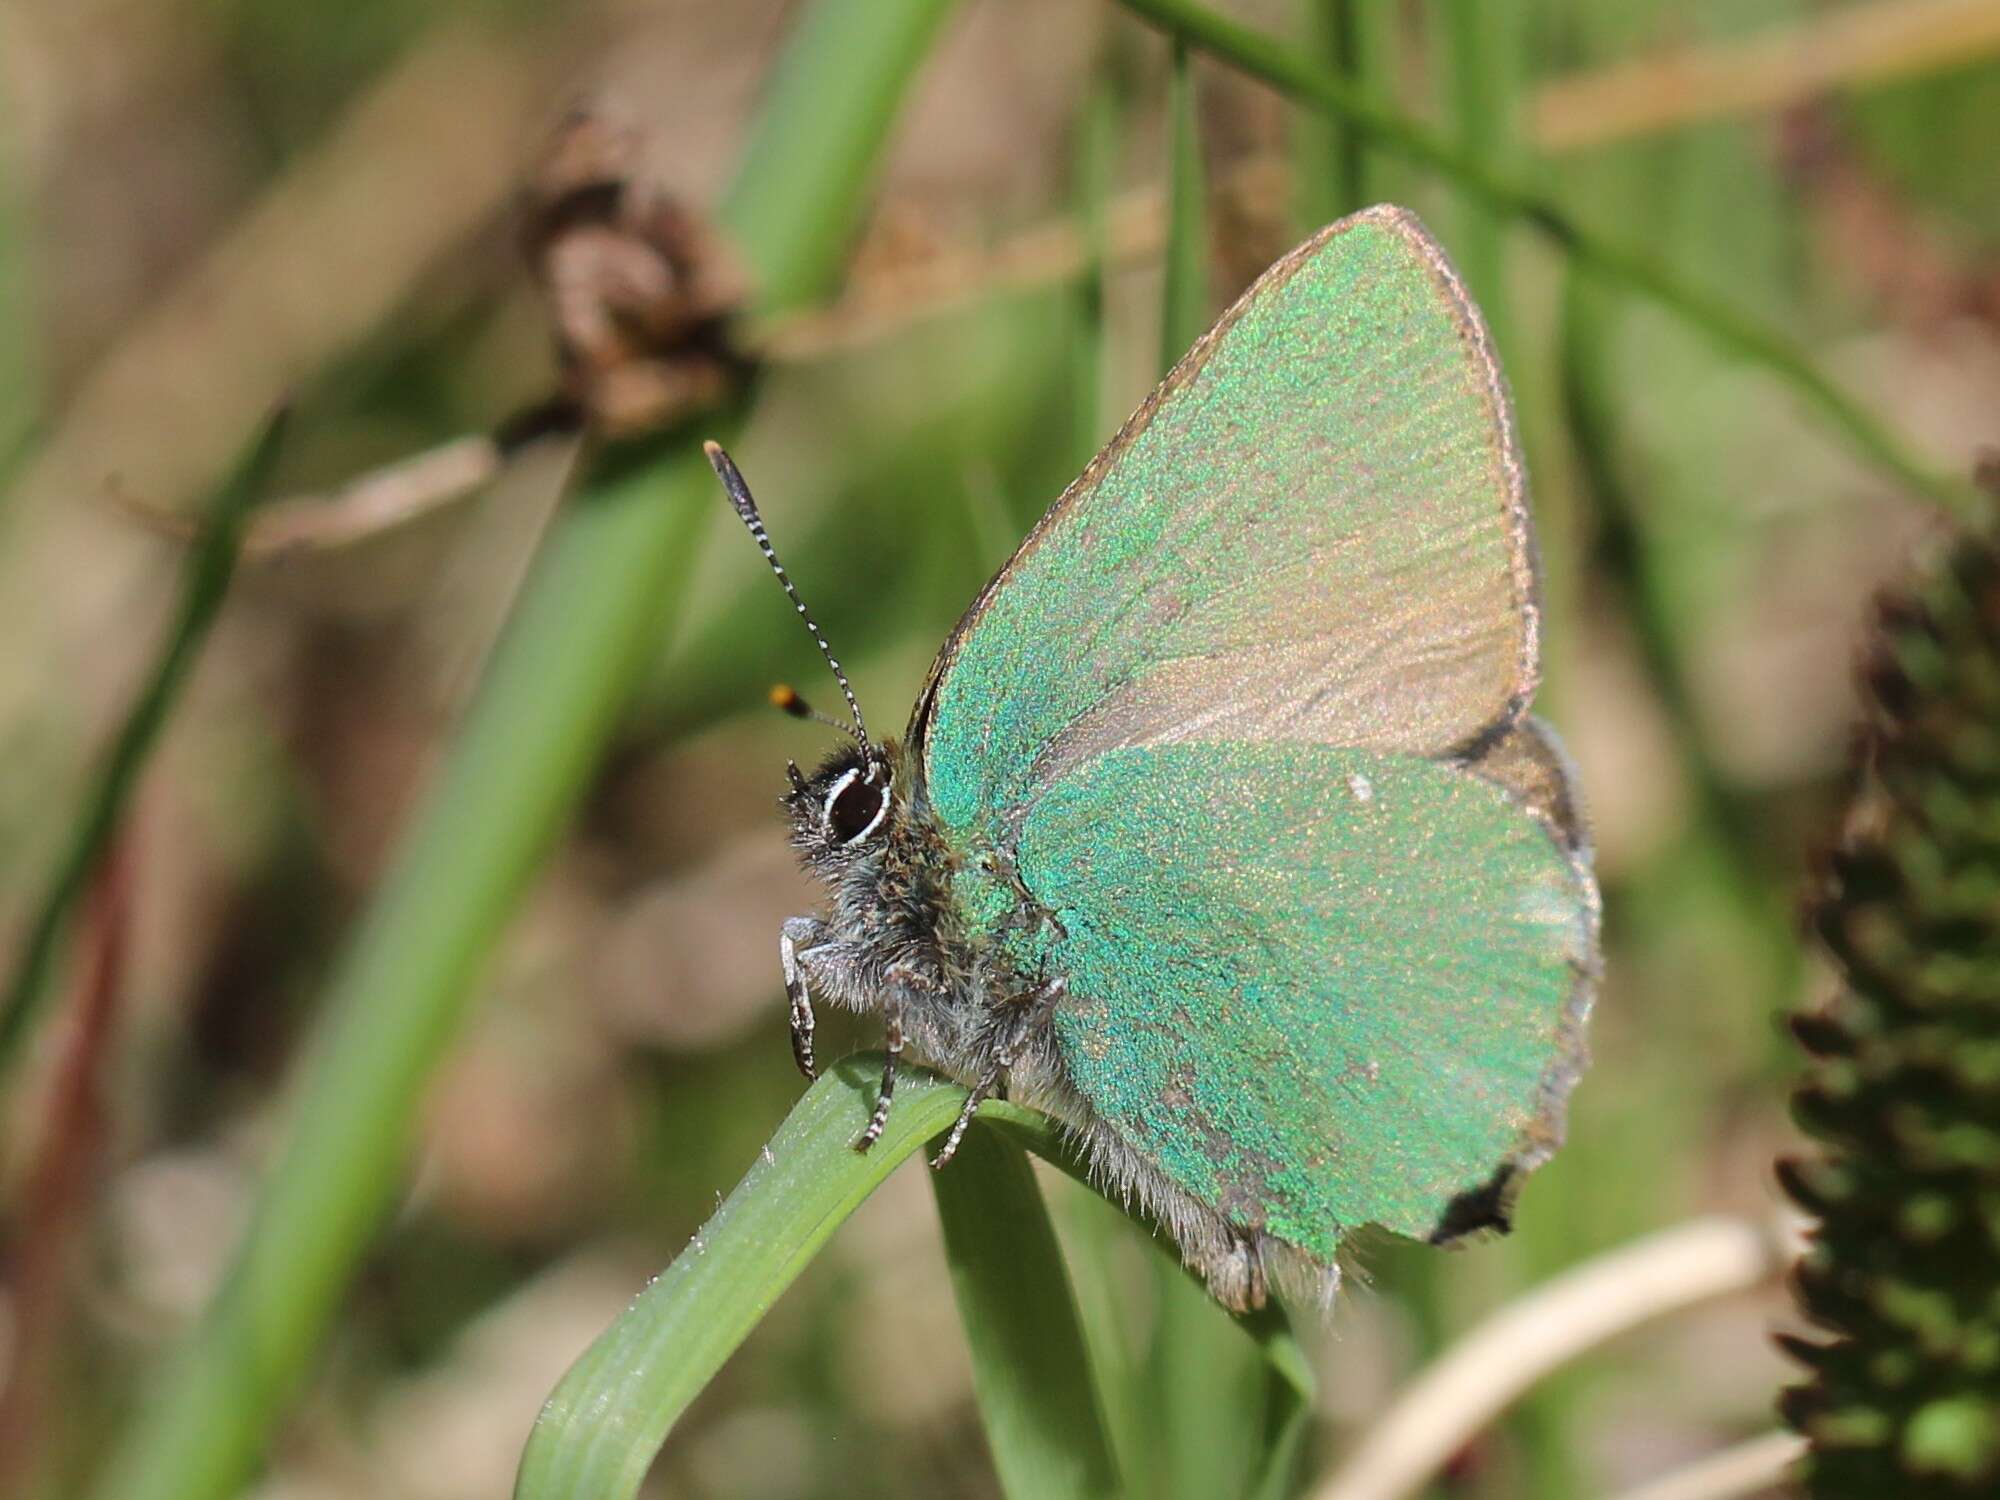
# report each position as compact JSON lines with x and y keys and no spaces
{"x":611,"y":1412}
{"x":1096,"y":157}
{"x":1207,"y":1393}
{"x":1031,"y":1368}
{"x":1329,"y":158}
{"x":1288,"y":1379}
{"x":588,"y":622}
{"x":1288,"y":1402}
{"x":1185,"y":312}
{"x":204,"y":583}
{"x":614,"y":1408}
{"x":1481,"y":60}
{"x":1723,"y":821}
{"x":1284,"y":67}
{"x":1092,"y":1228}
{"x":799,"y":191}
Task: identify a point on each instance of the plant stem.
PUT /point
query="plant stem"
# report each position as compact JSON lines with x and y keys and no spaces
{"x":1184,"y":310}
{"x":204,"y":583}
{"x":1475,"y":1379}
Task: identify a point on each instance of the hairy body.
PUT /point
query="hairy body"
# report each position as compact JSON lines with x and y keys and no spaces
{"x":943,"y":940}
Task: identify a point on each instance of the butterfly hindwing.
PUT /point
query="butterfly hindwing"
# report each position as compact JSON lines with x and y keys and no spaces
{"x":1313,"y":531}
{"x":1317,"y":987}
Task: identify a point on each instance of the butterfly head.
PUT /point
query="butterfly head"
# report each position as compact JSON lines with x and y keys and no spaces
{"x":843,"y":811}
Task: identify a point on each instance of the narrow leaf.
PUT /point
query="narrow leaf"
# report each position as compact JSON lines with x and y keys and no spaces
{"x":1481,"y":61}
{"x":1722,"y":821}
{"x":1207,"y":1388}
{"x":1096,"y":150}
{"x":204,"y":583}
{"x":1031,"y":1367}
{"x":1329,"y":158}
{"x":1289,"y":1384}
{"x":611,"y":1412}
{"x":1184,"y":313}
{"x":1092,"y":1228}
{"x":1288,"y":1402}
{"x":801,"y":187}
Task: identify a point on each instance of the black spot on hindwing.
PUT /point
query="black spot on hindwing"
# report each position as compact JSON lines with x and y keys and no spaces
{"x":1487,"y":1206}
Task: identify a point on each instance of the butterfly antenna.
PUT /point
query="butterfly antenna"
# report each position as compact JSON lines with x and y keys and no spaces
{"x":785,"y":698}
{"x":746,"y":508}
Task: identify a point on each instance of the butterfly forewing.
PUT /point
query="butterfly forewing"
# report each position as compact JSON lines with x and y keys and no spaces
{"x":1313,"y":531}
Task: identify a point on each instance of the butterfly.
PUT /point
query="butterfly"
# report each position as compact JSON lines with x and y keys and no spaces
{"x":1221,"y":830}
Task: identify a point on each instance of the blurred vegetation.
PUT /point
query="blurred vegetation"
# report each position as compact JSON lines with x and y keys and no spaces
{"x":463,"y":1166}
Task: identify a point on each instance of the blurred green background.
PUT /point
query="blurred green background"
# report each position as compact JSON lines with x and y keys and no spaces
{"x":206,"y":207}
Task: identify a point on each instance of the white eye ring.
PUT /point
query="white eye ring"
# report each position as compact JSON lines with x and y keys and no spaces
{"x":833,"y":796}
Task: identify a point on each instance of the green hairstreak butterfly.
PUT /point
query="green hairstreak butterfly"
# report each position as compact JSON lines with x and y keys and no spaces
{"x":1221,"y":830}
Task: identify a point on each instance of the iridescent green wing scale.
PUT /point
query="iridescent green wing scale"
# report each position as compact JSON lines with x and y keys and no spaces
{"x":1318,"y":987}
{"x":1313,"y":530}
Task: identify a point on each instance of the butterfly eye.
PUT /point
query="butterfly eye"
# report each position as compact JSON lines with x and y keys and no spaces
{"x":854,"y":808}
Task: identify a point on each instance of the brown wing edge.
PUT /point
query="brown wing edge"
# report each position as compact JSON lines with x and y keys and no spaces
{"x":1529,"y":763}
{"x":1514,"y":506}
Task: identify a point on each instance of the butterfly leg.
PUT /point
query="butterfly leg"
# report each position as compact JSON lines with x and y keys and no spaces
{"x":1032,"y":1009}
{"x":975,"y":1096}
{"x":799,"y":933}
{"x":893,"y":1043}
{"x":1030,"y":1012}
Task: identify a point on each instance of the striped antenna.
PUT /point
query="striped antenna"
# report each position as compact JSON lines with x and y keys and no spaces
{"x":746,"y":508}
